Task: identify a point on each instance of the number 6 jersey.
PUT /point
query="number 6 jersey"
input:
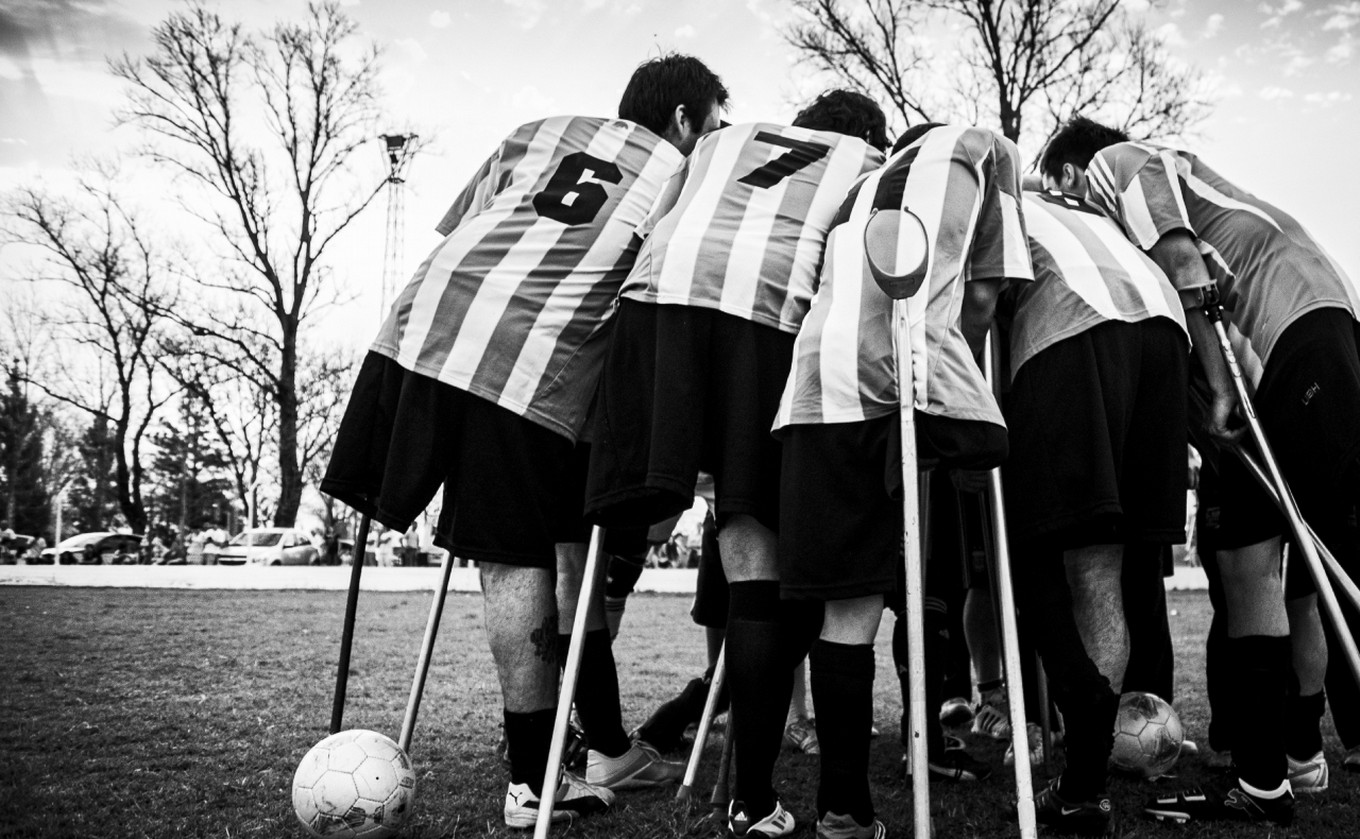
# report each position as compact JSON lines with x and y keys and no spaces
{"x":512,"y":305}
{"x":742,"y":225}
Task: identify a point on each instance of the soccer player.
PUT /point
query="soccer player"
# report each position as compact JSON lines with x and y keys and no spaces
{"x":1096,"y":475}
{"x":481,"y":378}
{"x":1293,"y":315}
{"x":701,"y":346}
{"x":841,"y":514}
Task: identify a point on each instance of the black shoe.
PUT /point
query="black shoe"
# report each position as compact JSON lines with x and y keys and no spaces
{"x":1210,"y":804}
{"x":952,"y":765}
{"x":1088,"y":818}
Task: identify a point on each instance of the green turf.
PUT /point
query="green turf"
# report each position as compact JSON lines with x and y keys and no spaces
{"x":166,"y":713}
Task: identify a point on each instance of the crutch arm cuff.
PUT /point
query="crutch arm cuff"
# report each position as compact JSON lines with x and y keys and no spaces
{"x":1199,"y":297}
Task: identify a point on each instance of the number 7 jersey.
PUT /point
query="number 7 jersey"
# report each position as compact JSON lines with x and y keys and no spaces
{"x":511,"y":306}
{"x":741,"y":227}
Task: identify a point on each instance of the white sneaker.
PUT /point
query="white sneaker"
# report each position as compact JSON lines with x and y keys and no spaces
{"x":639,"y":767}
{"x":574,"y":798}
{"x":1035,"y":734}
{"x":1308,"y":776}
{"x":801,"y":734}
{"x":993,"y":715}
{"x":778,"y":823}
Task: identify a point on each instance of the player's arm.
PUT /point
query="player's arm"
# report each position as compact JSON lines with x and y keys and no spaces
{"x":979,"y":307}
{"x":1175,"y":253}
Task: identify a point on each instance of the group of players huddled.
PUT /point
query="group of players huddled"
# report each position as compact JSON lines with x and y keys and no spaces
{"x":621,"y":304}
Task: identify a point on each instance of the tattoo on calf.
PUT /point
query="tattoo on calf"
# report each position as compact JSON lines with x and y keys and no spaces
{"x":545,"y":639}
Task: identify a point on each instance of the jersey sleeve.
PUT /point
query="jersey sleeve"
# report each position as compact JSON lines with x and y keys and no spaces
{"x":665,"y":200}
{"x":475,"y":195}
{"x":1000,"y":247}
{"x":1138,"y":186}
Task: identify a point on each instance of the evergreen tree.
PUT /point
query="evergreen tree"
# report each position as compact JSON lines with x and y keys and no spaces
{"x":26,"y":509}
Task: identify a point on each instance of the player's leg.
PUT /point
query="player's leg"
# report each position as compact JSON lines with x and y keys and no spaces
{"x":1151,"y":667}
{"x":1095,"y":579}
{"x":1306,"y":701}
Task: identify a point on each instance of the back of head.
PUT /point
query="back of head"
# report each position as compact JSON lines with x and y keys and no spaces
{"x":913,"y":134}
{"x":846,"y":112}
{"x":1076,"y":143}
{"x":661,"y":84}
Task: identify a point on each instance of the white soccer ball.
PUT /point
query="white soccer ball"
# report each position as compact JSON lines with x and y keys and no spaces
{"x":1147,"y":735}
{"x":356,"y":784}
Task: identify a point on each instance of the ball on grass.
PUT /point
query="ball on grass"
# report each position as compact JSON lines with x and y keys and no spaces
{"x":1147,"y":735}
{"x":355,"y":784}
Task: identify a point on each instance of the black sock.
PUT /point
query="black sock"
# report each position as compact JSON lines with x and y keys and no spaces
{"x":528,"y":737}
{"x":597,"y":693}
{"x":983,"y":687}
{"x":843,"y":691}
{"x":1089,"y":738}
{"x":1303,"y":724}
{"x":1263,"y":665}
{"x":761,"y":687}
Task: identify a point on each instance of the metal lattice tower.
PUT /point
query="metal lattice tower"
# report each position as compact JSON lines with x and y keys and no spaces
{"x":398,"y":148}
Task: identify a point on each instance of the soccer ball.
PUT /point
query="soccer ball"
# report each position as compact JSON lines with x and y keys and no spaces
{"x":356,"y":784}
{"x":1147,"y":735}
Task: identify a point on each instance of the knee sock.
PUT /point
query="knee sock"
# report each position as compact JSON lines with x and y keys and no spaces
{"x":761,"y":687}
{"x":843,"y":691}
{"x":528,"y":737}
{"x":623,"y":576}
{"x":1303,"y":723}
{"x":1262,"y":665}
{"x":597,"y":693}
{"x":1089,"y":726}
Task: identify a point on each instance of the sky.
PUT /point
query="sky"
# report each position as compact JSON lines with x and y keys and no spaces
{"x":464,"y":73}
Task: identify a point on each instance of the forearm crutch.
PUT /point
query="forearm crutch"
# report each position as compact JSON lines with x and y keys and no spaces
{"x":686,"y":791}
{"x":568,"y":692}
{"x":896,"y":251}
{"x":1010,"y":638}
{"x":408,"y":725}
{"x":347,"y":634}
{"x":1303,"y":538}
{"x":722,"y":792}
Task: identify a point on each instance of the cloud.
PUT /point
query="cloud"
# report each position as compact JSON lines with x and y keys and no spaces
{"x":1212,"y":26}
{"x":526,"y":13}
{"x":1341,"y":52}
{"x":1344,"y":16}
{"x":1276,"y":15}
{"x":684,"y":33}
{"x":1170,"y":34}
{"x":10,"y":69}
{"x":1331,"y":97}
{"x":1297,"y":63}
{"x":531,"y":100}
{"x":440,"y":19}
{"x":409,"y":49}
{"x":1273,"y":92}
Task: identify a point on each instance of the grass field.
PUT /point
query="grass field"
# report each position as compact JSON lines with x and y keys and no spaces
{"x":169,"y":713}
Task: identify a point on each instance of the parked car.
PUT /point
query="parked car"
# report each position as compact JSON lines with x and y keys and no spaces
{"x":270,"y":546}
{"x":98,"y":548}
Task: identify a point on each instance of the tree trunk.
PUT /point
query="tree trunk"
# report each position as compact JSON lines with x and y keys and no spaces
{"x":290,"y":476}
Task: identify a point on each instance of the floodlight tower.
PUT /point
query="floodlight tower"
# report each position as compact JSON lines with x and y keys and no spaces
{"x":399,"y":149}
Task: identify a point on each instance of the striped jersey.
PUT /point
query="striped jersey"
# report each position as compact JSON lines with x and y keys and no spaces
{"x":742,"y":226}
{"x":1268,"y":269}
{"x":1085,"y":274}
{"x":964,"y":185}
{"x":511,"y":306}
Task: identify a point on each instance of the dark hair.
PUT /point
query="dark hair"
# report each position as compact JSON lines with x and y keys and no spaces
{"x":913,"y":134}
{"x":1076,"y":143}
{"x":658,"y":85}
{"x":846,"y":112}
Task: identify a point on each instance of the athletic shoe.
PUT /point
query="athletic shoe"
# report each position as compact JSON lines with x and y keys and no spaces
{"x":1035,"y":734}
{"x":1215,"y":759}
{"x":574,"y":798}
{"x":955,"y":764}
{"x":801,"y":734}
{"x":993,"y":718}
{"x":955,"y":712}
{"x":1089,"y":818}
{"x":833,"y":826}
{"x":1308,"y":776}
{"x":1209,"y":804}
{"x":777,"y":823}
{"x":1351,"y":762}
{"x":637,"y":768}
{"x":1189,"y":748}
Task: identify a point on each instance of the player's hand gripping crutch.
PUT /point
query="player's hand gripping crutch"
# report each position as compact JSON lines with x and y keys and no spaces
{"x":897,"y":254}
{"x":1303,"y":538}
{"x":568,"y":692}
{"x":1010,"y":633}
{"x":686,"y":791}
{"x":347,"y":633}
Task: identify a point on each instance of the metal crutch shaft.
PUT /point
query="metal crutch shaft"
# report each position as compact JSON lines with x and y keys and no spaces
{"x":686,"y":791}
{"x":408,"y":725}
{"x":722,"y":793}
{"x":568,"y":692}
{"x":347,"y":634}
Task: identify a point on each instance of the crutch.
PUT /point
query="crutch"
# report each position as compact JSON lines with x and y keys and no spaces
{"x":897,"y":253}
{"x":347,"y":634}
{"x":686,"y":791}
{"x":722,"y":792}
{"x":1303,"y":538}
{"x":408,"y":724}
{"x":1010,"y":638}
{"x":568,"y":692}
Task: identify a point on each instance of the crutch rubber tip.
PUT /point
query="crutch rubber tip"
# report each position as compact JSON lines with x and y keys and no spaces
{"x":685,"y":794}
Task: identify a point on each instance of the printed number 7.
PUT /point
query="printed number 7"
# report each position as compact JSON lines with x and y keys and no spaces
{"x":571,"y":199}
{"x":800,"y":154}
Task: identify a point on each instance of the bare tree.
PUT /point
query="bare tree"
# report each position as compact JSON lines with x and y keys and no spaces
{"x":109,"y":322}
{"x":1009,"y":61}
{"x":264,"y":127}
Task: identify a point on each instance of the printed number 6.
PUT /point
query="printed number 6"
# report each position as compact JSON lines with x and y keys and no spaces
{"x":569,"y":197}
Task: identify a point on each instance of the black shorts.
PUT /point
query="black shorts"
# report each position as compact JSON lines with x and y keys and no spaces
{"x":685,"y":389}
{"x":508,"y":492}
{"x":842,"y":504}
{"x":1098,"y":438}
{"x":1308,"y":403}
{"x":710,"y":590}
